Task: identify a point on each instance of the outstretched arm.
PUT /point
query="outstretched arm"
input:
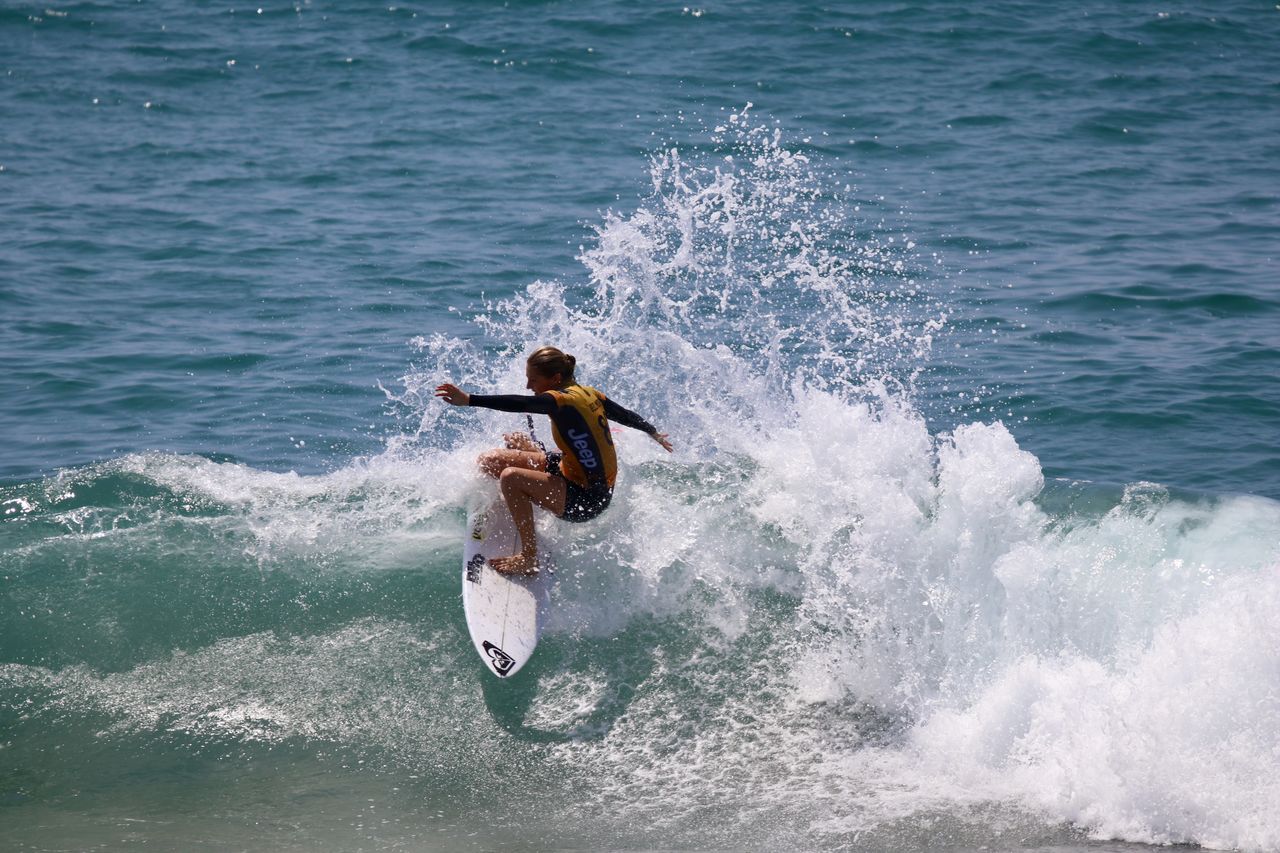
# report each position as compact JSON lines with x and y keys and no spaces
{"x":541,"y":404}
{"x":453,"y":395}
{"x":537,"y":404}
{"x":626,"y":417}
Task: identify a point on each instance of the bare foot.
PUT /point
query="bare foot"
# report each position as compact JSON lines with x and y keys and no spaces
{"x":522,"y":565}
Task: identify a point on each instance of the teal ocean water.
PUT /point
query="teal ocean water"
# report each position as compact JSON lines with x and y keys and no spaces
{"x":964,"y":323}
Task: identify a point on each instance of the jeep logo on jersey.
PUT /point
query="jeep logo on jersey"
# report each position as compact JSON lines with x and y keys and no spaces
{"x":502,"y":662}
{"x":581,"y":441}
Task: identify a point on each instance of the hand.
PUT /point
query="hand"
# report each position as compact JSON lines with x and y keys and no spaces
{"x":661,"y":438}
{"x":453,"y":395}
{"x":519,"y":441}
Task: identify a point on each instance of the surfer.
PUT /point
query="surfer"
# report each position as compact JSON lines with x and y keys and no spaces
{"x":575,"y":484}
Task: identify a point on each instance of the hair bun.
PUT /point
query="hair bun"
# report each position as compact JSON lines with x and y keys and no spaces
{"x":549,"y":361}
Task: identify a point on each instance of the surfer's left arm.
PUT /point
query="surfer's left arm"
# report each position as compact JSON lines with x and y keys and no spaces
{"x":626,"y":417}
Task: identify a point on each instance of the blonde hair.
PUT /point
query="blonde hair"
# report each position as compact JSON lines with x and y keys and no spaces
{"x":548,"y":361}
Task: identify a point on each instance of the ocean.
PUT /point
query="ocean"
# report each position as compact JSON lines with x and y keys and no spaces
{"x":964,"y":323}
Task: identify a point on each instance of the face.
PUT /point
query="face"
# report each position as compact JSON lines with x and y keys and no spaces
{"x":538,"y":383}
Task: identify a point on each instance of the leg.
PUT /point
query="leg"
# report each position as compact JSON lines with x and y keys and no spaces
{"x":494,"y":462}
{"x":521,"y":489}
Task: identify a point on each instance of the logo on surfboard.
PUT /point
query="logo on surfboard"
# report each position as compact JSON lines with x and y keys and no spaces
{"x":473,"y":568}
{"x":502,"y":662}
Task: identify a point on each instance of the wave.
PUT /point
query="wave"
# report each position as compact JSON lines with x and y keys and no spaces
{"x":941,"y":640}
{"x":819,"y":624}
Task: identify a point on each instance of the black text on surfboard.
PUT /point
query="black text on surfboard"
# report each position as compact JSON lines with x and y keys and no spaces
{"x":473,"y":568}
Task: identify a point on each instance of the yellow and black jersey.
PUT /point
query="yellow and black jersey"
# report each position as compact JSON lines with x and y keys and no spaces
{"x":580,"y":417}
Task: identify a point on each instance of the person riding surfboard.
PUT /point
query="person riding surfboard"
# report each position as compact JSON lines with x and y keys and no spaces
{"x":576,"y":483}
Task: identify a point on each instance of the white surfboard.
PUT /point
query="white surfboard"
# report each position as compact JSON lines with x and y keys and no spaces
{"x":505,"y":614}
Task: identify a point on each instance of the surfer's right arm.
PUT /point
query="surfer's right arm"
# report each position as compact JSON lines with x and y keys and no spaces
{"x":538,"y":404}
{"x":453,"y":395}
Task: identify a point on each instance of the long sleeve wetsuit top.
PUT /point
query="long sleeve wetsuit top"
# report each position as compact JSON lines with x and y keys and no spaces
{"x":580,"y":418}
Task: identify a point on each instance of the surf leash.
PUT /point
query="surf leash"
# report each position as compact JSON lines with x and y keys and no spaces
{"x":533,"y":435}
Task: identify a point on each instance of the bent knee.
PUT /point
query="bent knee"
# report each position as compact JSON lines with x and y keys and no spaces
{"x":514,"y":478}
{"x":490,"y":462}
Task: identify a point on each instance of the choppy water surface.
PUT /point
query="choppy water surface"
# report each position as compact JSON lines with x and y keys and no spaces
{"x":963,"y":323}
